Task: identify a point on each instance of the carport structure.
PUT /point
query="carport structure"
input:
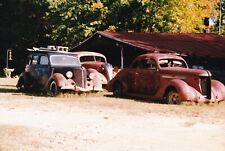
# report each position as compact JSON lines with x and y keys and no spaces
{"x":120,"y":48}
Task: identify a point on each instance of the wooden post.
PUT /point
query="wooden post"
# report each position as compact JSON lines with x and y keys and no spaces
{"x":121,"y":57}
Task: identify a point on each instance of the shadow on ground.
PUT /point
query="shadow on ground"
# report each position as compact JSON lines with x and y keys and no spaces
{"x":136,"y":99}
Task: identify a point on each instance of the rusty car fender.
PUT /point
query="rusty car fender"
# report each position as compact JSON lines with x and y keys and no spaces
{"x":117,"y":79}
{"x":187,"y":93}
{"x":96,"y":80}
{"x":217,"y":90}
{"x":61,"y":80}
{"x":99,"y":77}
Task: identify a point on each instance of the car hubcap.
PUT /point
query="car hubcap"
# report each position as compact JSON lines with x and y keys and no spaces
{"x":173,"y":98}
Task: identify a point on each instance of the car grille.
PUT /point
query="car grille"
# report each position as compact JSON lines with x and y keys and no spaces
{"x":206,"y":86}
{"x":80,"y":77}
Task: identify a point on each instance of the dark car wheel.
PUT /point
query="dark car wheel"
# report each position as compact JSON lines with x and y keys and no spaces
{"x":22,"y":84}
{"x":53,"y":88}
{"x":173,"y":97}
{"x":118,"y":90}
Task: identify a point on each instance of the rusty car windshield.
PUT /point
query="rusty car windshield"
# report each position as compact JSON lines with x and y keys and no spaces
{"x":172,"y":63}
{"x":64,"y":60}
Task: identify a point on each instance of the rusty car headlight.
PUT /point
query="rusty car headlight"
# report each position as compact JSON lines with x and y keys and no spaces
{"x":91,"y":76}
{"x":69,"y":74}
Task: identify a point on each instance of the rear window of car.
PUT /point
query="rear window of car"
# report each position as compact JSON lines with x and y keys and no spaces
{"x":64,"y":60}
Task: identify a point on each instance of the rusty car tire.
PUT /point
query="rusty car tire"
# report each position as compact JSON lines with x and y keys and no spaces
{"x":53,"y":88}
{"x":117,"y":90}
{"x":173,"y":97}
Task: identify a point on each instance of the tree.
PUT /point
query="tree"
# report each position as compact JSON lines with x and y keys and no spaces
{"x":22,"y":25}
{"x":72,"y":21}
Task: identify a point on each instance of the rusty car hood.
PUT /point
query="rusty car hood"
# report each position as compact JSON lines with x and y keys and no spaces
{"x":184,"y":71}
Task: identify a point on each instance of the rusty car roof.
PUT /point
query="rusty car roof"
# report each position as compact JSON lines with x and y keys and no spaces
{"x":158,"y":56}
{"x":87,"y":53}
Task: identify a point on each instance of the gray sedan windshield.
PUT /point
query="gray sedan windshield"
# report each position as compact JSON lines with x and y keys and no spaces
{"x":64,"y":60}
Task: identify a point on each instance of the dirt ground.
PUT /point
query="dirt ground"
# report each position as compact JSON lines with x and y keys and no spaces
{"x":71,"y":122}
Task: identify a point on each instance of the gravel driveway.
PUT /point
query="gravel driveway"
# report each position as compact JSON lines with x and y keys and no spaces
{"x":99,"y":122}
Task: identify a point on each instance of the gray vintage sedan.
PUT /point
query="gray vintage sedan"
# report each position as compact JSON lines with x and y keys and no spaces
{"x":53,"y":71}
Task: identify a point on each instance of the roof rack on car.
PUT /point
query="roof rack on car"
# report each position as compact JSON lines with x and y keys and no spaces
{"x":50,"y":48}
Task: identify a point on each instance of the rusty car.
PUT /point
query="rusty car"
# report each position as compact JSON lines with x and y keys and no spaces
{"x":166,"y":78}
{"x":53,"y":71}
{"x":96,"y":61}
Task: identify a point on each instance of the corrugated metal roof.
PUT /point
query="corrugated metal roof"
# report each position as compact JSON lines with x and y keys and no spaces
{"x":209,"y":45}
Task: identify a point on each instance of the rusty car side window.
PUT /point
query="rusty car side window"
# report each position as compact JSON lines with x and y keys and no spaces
{"x":136,"y":64}
{"x":148,"y":64}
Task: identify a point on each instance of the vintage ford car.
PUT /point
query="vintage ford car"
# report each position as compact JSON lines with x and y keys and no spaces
{"x":53,"y":71}
{"x":97,"y":61}
{"x":166,"y":77}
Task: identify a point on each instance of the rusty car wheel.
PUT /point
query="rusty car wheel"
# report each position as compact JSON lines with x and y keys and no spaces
{"x":117,"y":90}
{"x":53,"y":88}
{"x":173,"y":97}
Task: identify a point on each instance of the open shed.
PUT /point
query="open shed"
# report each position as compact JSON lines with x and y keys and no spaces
{"x":202,"y":50}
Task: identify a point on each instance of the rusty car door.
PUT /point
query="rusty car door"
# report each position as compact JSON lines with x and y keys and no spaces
{"x":43,"y":70}
{"x":146,"y":77}
{"x":129,"y":76}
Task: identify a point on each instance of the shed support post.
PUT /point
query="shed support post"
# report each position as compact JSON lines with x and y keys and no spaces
{"x":121,"y":57}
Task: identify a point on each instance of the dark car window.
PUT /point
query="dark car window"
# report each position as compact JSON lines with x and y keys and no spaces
{"x":44,"y":60}
{"x":64,"y":60}
{"x":34,"y":60}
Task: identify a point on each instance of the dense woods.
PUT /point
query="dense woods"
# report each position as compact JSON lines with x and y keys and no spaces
{"x":28,"y":23}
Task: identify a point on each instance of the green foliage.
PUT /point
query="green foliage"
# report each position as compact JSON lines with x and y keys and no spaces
{"x":73,"y":21}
